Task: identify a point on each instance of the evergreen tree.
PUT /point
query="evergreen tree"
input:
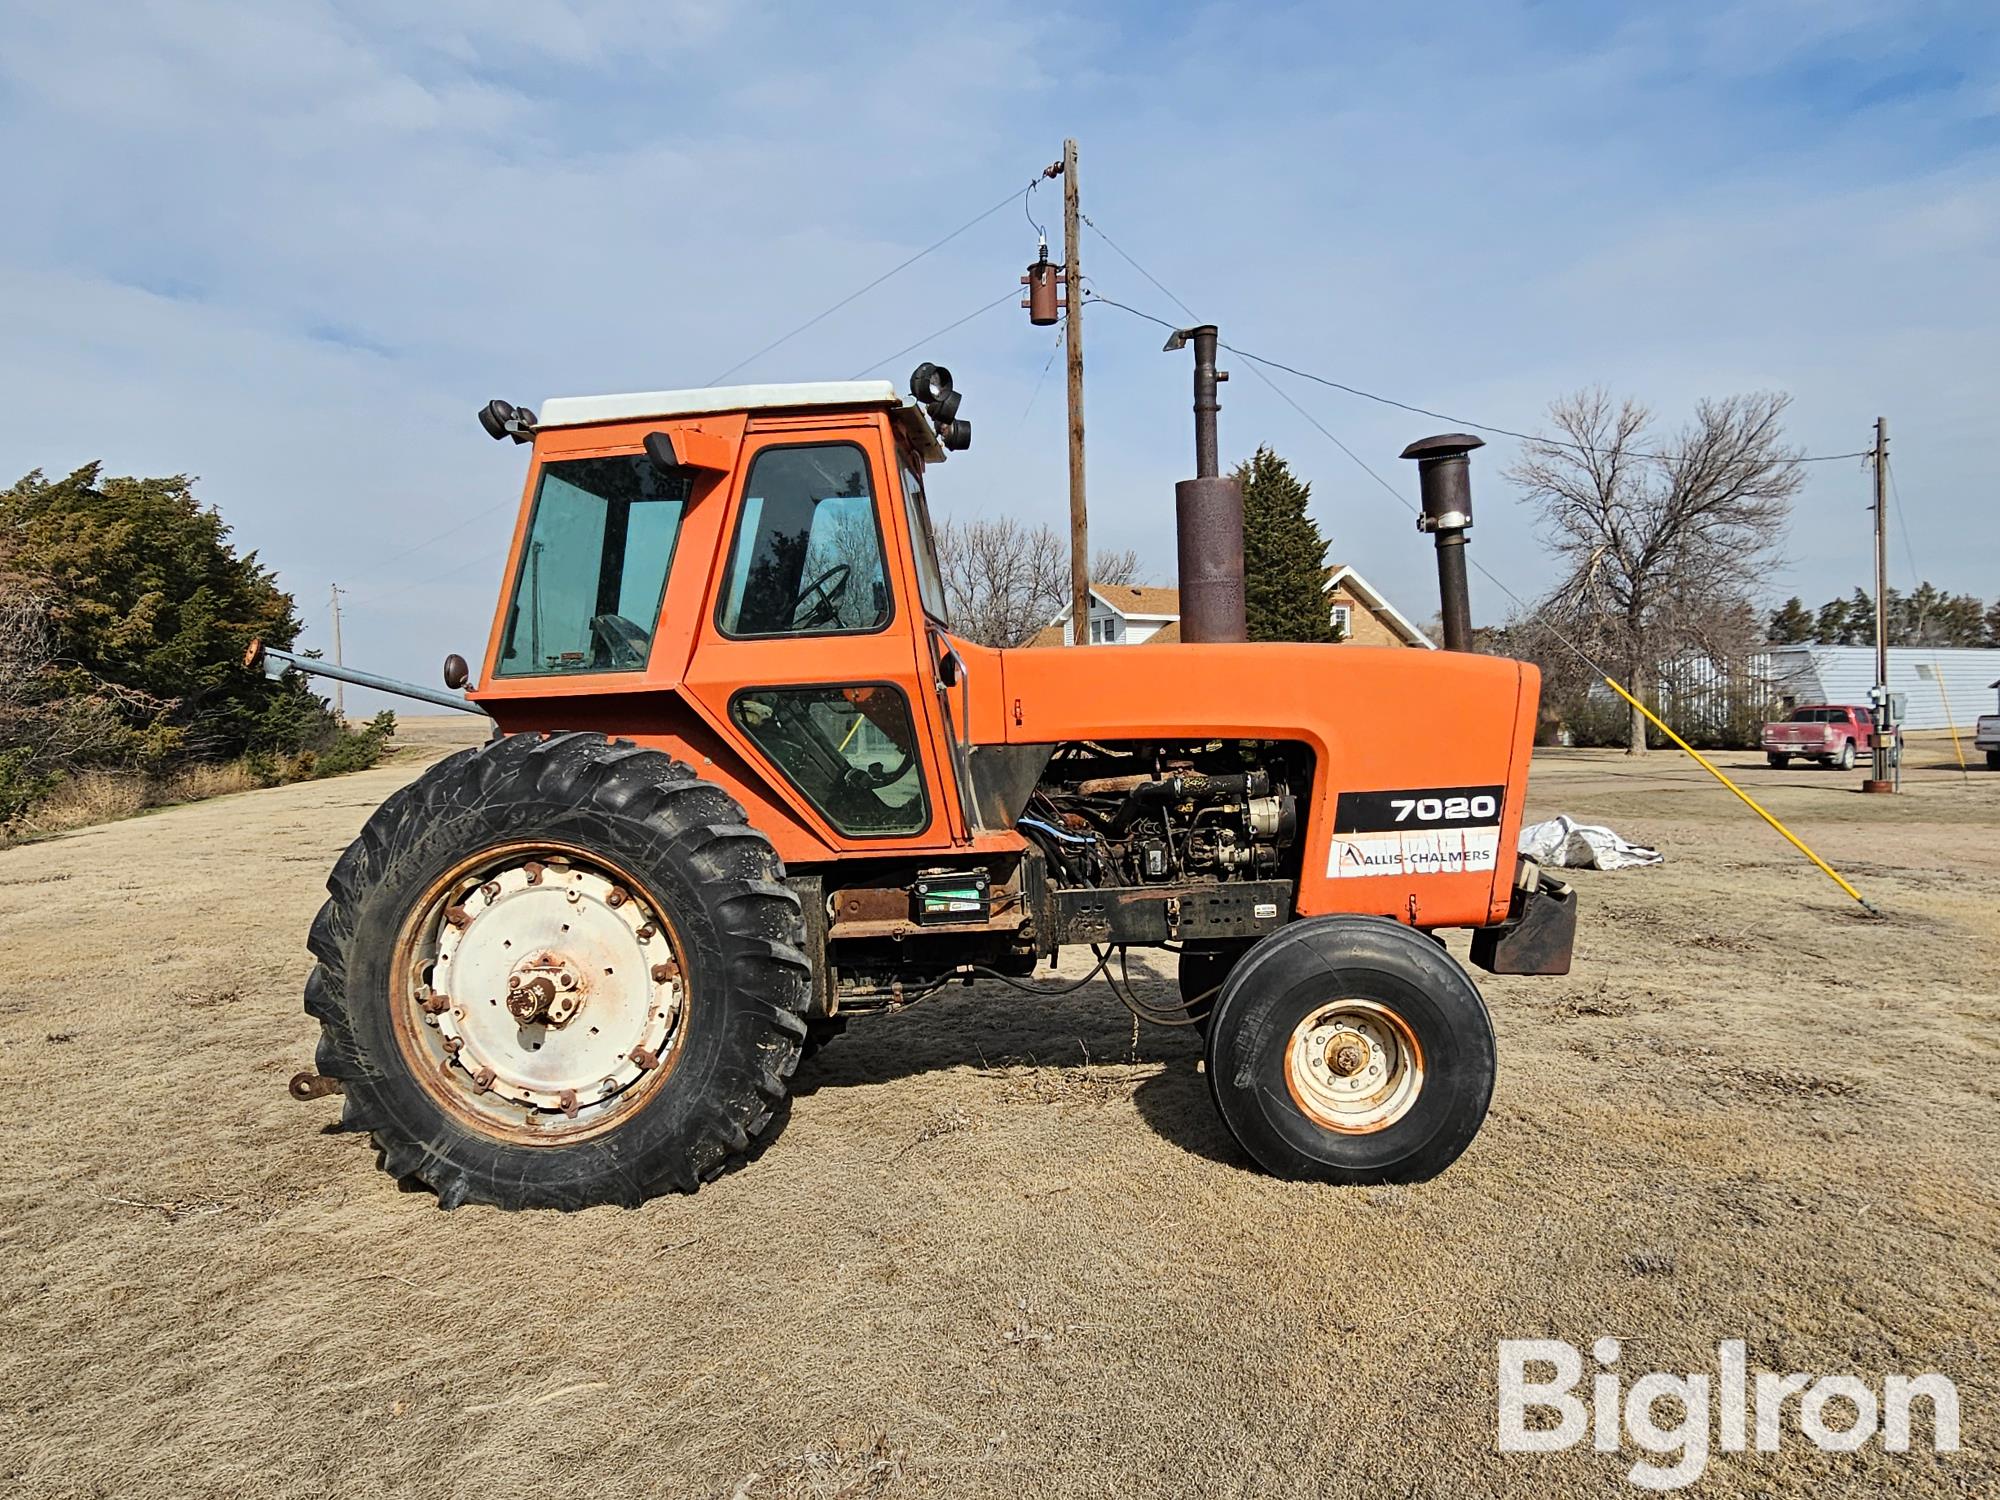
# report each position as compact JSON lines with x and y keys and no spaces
{"x":1792,"y":624}
{"x":1284,"y":556}
{"x":148,"y":609}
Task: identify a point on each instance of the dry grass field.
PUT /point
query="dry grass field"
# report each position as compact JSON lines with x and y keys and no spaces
{"x":1003,"y":1246}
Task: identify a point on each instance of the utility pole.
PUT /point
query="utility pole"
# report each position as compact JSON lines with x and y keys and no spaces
{"x":1079,"y":523}
{"x":339,"y":696}
{"x":1881,"y":781}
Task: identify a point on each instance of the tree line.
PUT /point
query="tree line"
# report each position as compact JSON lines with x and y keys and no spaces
{"x":1926,"y":616}
{"x":125,"y":613}
{"x":1664,"y":540}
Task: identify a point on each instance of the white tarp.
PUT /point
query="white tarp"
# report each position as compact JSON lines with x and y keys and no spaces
{"x":1564,"y":842}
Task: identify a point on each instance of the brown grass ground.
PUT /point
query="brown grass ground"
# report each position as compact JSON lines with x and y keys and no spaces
{"x":1004,"y":1247}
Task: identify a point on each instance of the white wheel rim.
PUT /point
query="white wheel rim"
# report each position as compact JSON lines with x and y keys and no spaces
{"x":1354,"y":1066}
{"x":545,"y":997}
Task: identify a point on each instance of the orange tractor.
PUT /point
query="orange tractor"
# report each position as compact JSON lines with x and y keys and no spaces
{"x":745,"y":783}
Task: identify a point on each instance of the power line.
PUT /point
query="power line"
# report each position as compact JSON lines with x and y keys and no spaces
{"x":940,"y":333}
{"x":449,"y":531}
{"x":1366,"y":395}
{"x":1062,"y":331}
{"x":900,"y":266}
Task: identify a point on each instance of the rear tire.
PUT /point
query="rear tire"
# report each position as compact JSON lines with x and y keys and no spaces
{"x":1203,"y":968}
{"x":1351,"y":1050}
{"x":1845,"y":760}
{"x":1993,"y":760}
{"x":708,"y":941}
{"x":1779,"y":762}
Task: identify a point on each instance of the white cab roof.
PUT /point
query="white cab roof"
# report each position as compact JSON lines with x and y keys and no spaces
{"x":580,"y":411}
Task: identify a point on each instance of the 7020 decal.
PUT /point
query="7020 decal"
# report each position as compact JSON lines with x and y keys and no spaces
{"x":1427,"y":807}
{"x":1475,"y":809}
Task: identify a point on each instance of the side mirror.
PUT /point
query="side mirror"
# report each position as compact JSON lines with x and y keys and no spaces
{"x":689,"y":448}
{"x":456,"y":672}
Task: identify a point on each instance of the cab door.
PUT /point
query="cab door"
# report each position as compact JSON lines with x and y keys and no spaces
{"x":812,"y":653}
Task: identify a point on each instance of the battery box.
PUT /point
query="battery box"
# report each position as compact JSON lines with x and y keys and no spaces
{"x":945,"y":896}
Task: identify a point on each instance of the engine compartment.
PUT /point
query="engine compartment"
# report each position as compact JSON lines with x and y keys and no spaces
{"x":1124,"y":815}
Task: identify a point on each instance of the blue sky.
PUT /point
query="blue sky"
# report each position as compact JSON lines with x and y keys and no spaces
{"x":291,"y":248}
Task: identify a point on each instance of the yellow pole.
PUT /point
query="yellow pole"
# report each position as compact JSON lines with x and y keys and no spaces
{"x":1949,"y":722}
{"x":1747,"y":800}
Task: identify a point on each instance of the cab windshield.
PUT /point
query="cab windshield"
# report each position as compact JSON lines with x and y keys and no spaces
{"x":587,"y":596}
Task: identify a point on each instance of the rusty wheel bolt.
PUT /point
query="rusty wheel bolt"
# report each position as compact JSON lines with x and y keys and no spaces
{"x":645,"y":1057}
{"x":458,"y":916}
{"x":665,"y":973}
{"x":616,"y":897}
{"x":568,"y":1098}
{"x":533,"y":870}
{"x":490,"y":891}
{"x":646,"y":933}
{"x":483,"y":1079}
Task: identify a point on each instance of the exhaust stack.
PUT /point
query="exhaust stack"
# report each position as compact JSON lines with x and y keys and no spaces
{"x":1444,"y":475}
{"x":1208,"y":514}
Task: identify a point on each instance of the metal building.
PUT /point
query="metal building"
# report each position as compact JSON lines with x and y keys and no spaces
{"x":1942,"y":685}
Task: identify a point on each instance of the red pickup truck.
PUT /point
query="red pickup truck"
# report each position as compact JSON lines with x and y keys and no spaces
{"x":1830,"y":733}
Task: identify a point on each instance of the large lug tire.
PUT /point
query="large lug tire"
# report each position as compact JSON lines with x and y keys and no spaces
{"x":1845,"y":760}
{"x":508,"y":876}
{"x":1351,"y":1050}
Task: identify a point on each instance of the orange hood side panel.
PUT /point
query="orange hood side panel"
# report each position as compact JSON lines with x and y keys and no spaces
{"x":1434,"y":736}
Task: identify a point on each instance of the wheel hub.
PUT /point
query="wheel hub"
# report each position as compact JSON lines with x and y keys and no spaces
{"x":544,"y":987}
{"x":1354,"y":1066}
{"x":553,"y":990}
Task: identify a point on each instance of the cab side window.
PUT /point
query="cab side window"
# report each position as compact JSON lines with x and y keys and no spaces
{"x":808,"y":553}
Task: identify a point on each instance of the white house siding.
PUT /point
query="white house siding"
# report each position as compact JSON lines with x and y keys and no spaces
{"x":1699,"y":692}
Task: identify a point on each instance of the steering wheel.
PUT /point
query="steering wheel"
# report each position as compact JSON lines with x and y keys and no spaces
{"x":874,"y":778}
{"x":619,"y":642}
{"x":819,"y":601}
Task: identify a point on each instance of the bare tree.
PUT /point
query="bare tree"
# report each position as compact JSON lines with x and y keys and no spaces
{"x":1666,"y":542}
{"x":1004,"y":581}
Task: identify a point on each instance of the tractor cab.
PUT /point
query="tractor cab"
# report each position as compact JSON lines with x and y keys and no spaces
{"x":758,"y":563}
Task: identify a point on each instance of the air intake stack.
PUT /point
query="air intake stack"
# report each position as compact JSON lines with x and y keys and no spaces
{"x":1444,"y":476}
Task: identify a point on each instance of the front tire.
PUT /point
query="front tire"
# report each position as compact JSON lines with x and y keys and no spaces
{"x":557,"y":971}
{"x":1351,"y":1050}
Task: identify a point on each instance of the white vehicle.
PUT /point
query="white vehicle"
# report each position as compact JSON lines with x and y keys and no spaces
{"x":1987,"y":736}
